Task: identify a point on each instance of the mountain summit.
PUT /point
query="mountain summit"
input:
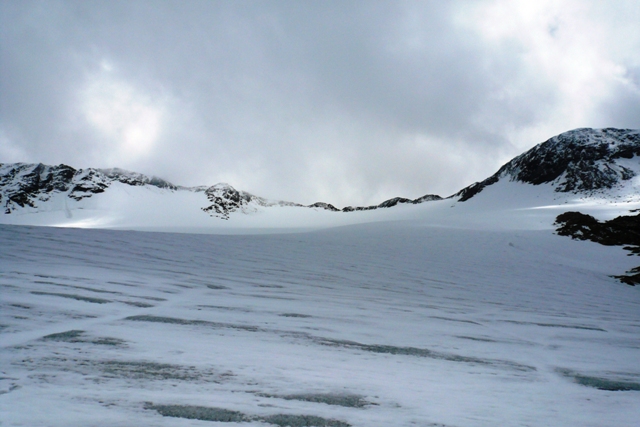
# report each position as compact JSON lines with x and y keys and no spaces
{"x":587,"y":161}
{"x":24,"y":185}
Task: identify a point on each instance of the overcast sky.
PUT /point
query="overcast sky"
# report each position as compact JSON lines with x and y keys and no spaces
{"x":348,"y":102}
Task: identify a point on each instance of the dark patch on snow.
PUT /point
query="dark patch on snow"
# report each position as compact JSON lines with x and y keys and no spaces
{"x":201,"y":413}
{"x":117,"y":342}
{"x":26,"y":307}
{"x":205,"y":413}
{"x":217,"y":287}
{"x":304,"y":316}
{"x":475,"y":338}
{"x":68,"y":336}
{"x":599,"y":382}
{"x":77,"y":336}
{"x":221,"y":307}
{"x":337,"y":399}
{"x":556,"y":325}
{"x":149,"y":370}
{"x":287,"y":420}
{"x":123,"y":284}
{"x":177,"y":321}
{"x":423,"y":352}
{"x":454,"y":320}
{"x":138,"y":304}
{"x":84,"y":288}
{"x":74,"y":296}
{"x":149,"y":298}
{"x":623,"y":231}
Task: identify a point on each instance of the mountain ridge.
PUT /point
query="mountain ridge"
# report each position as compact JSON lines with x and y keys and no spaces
{"x":578,"y":161}
{"x":582,"y":161}
{"x":25,"y":185}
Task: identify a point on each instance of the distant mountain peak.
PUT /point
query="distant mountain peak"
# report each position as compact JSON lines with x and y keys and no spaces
{"x":583,"y":160}
{"x":30,"y":184}
{"x":225,"y":199}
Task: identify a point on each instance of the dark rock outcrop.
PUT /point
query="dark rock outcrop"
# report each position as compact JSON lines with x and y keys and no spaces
{"x":393,"y":202}
{"x":579,"y":161}
{"x":27,"y":185}
{"x":620,"y":231}
{"x":226,"y":199}
{"x":326,"y":206}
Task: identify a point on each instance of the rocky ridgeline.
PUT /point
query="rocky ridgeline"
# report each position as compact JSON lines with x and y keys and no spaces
{"x":585,"y":161}
{"x":226,"y":199}
{"x":393,"y":202}
{"x":28,"y":185}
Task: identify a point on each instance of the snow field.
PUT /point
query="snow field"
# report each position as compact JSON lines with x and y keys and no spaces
{"x":421,"y":325}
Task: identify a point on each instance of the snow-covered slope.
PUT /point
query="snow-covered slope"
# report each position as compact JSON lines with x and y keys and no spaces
{"x":375,"y":325}
{"x":591,"y":162}
{"x":25,"y":185}
{"x":586,"y":167}
{"x":38,"y":194}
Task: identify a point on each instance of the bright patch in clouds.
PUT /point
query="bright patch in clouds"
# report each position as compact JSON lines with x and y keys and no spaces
{"x":128,"y":121}
{"x":575,"y":51}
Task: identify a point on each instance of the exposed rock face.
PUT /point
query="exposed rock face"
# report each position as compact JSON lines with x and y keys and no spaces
{"x":134,"y":178}
{"x":393,"y":202}
{"x":623,"y":230}
{"x":226,"y":199}
{"x":323,"y":205}
{"x":28,"y":185}
{"x":579,"y":161}
{"x":585,"y":161}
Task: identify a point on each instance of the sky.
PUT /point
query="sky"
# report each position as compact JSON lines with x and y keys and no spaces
{"x":347,"y":102}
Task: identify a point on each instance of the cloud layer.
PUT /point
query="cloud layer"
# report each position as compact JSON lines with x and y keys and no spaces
{"x":342,"y":101}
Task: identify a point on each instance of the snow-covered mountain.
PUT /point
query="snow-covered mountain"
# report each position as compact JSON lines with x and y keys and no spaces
{"x":581,"y":161}
{"x":225,"y":199}
{"x":593,"y":164}
{"x":31,"y":185}
{"x":35,"y":186}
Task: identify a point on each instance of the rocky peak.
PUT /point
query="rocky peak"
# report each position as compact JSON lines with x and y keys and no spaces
{"x":27,"y":184}
{"x":579,"y":161}
{"x":226,"y":199}
{"x":393,"y":202}
{"x":134,"y":178}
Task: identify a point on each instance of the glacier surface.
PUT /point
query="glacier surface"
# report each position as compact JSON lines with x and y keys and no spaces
{"x":439,"y":314}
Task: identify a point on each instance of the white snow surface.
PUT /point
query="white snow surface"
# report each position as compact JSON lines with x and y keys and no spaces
{"x":149,"y":208}
{"x":439,"y":314}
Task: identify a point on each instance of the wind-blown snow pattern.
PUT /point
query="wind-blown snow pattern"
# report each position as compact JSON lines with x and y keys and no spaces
{"x":445,"y":313}
{"x":393,"y":323}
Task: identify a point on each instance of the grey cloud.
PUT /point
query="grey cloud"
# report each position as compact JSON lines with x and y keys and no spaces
{"x":291,"y":100}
